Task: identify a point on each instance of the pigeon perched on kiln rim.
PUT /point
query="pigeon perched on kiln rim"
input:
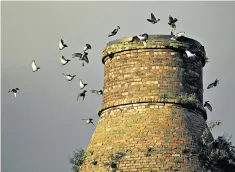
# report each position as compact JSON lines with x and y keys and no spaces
{"x":114,"y":32}
{"x":64,"y":61}
{"x":153,"y":20}
{"x":69,"y":77}
{"x":177,"y":35}
{"x":14,"y":91}
{"x":62,"y":45}
{"x":34,"y":66}
{"x":141,"y":37}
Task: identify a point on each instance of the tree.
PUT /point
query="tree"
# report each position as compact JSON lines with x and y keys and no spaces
{"x":77,"y":159}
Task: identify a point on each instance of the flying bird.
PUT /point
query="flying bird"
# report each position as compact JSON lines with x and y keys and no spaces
{"x":64,"y":61}
{"x":34,"y":66}
{"x":82,"y":57}
{"x":89,"y":121}
{"x":69,"y":77}
{"x":189,"y":54}
{"x":14,"y":91}
{"x":114,"y":32}
{"x":142,"y":37}
{"x":87,"y":47}
{"x":213,"y":84}
{"x":97,"y":92}
{"x":206,"y":104}
{"x":153,"y":20}
{"x":62,"y":45}
{"x":82,"y":84}
{"x":83,"y":95}
{"x":172,"y":21}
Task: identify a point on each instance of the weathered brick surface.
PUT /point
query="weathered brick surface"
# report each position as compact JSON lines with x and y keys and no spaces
{"x":136,"y":116}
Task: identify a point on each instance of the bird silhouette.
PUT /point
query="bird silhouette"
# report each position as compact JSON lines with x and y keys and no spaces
{"x":62,"y":45}
{"x":114,"y":32}
{"x":213,"y":84}
{"x":34,"y":66}
{"x":153,"y":20}
{"x":207,"y":104}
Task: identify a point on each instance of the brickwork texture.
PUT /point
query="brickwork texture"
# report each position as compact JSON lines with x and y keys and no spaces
{"x":152,"y":107}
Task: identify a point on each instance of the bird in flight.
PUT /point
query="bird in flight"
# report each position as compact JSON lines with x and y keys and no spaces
{"x":62,"y":45}
{"x":206,"y":104}
{"x":141,"y":37}
{"x":153,"y":20}
{"x":64,"y":61}
{"x":87,"y":47}
{"x":213,"y":84}
{"x":89,"y":121}
{"x":172,"y":21}
{"x":114,"y":32}
{"x":82,"y":57}
{"x":82,"y":84}
{"x":34,"y":66}
{"x":99,"y":92}
{"x":83,"y":95}
{"x":69,"y":77}
{"x":14,"y":91}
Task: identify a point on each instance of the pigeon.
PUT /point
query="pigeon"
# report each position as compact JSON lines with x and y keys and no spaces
{"x":114,"y":32}
{"x":89,"y":121}
{"x":206,"y":104}
{"x":14,"y":91}
{"x":34,"y":66}
{"x":142,"y":37}
{"x":153,"y":20}
{"x":83,"y":94}
{"x":97,"y":92}
{"x":62,"y":45}
{"x":172,"y":21}
{"x":189,"y":54}
{"x":82,"y":57}
{"x":87,"y":47}
{"x":69,"y":77}
{"x":82,"y":84}
{"x":177,"y":35}
{"x":111,"y":55}
{"x":64,"y":61}
{"x":213,"y":84}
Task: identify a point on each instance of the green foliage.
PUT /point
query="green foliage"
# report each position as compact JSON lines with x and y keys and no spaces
{"x":77,"y":159}
{"x":176,"y":160}
{"x":218,"y":153}
{"x":187,"y":98}
{"x":114,"y":161}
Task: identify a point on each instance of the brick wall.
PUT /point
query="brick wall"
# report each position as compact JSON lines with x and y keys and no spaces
{"x":143,"y":106}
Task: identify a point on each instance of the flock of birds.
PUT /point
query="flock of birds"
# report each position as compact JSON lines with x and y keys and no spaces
{"x":84,"y":58}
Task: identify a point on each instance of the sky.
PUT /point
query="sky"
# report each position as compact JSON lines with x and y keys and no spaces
{"x":41,"y":126}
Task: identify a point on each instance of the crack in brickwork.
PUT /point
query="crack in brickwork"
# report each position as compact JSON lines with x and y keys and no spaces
{"x":143,"y":107}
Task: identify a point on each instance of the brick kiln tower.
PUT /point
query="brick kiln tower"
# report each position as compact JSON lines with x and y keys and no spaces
{"x":152,"y":111}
